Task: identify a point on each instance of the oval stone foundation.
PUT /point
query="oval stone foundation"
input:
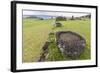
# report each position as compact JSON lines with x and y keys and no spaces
{"x":70,"y":43}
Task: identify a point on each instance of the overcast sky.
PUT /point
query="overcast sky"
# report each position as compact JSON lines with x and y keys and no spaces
{"x":66,"y":14}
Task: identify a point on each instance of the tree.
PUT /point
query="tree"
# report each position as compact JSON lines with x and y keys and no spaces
{"x":60,"y":18}
{"x":72,"y":17}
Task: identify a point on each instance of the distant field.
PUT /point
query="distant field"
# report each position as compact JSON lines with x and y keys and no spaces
{"x":35,"y":34}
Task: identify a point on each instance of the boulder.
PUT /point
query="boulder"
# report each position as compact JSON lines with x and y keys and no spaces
{"x":70,"y":43}
{"x":58,"y":24}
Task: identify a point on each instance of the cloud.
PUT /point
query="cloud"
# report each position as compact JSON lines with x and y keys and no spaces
{"x":51,"y":13}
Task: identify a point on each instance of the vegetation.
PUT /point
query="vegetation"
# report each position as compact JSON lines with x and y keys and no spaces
{"x":59,"y":18}
{"x":36,"y":33}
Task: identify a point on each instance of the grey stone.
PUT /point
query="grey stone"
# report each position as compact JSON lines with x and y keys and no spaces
{"x":70,"y":43}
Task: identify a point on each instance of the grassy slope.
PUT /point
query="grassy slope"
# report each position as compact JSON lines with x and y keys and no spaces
{"x":79,"y":26}
{"x":35,"y":34}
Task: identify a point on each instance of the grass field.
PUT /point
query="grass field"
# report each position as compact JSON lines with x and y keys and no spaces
{"x":35,"y":34}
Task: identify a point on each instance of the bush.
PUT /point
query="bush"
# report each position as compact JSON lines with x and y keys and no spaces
{"x":58,"y":24}
{"x":60,"y":18}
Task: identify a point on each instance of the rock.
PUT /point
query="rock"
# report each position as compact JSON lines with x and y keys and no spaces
{"x":70,"y":43}
{"x":42,"y":57}
{"x":58,"y":24}
{"x":44,"y":52}
{"x":45,"y":47}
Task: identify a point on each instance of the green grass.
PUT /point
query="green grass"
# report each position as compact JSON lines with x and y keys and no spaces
{"x":36,"y":33}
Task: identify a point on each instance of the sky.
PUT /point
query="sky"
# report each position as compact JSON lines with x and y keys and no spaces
{"x":51,"y":13}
